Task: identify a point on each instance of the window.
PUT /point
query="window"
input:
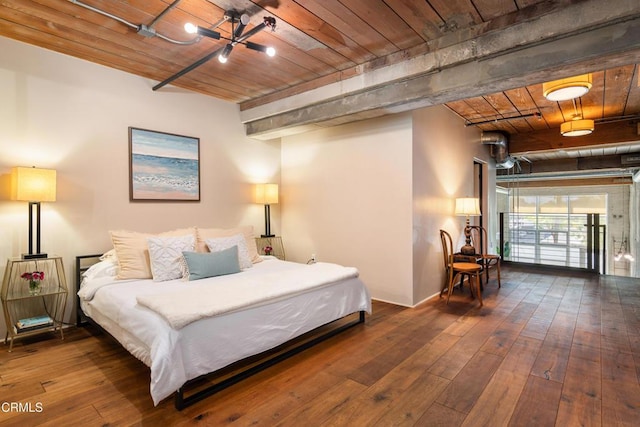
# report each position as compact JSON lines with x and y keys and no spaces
{"x":551,"y":229}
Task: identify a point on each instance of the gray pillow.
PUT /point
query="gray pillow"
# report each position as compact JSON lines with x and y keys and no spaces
{"x":202,"y":265}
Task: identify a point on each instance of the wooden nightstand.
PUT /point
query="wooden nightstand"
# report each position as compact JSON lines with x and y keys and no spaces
{"x":275,"y":243}
{"x":29,"y":314}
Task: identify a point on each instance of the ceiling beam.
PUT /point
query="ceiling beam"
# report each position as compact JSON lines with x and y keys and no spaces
{"x":614,"y":161}
{"x":550,"y":139}
{"x":527,"y":53}
{"x":566,"y":182}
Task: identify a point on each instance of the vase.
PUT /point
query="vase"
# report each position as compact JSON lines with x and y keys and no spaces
{"x":34,"y":287}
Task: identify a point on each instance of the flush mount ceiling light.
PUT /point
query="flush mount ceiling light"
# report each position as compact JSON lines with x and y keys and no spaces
{"x":569,"y":88}
{"x":577,"y":127}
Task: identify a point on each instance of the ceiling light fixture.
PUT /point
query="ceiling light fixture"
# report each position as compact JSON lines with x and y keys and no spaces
{"x":236,"y":33}
{"x":577,"y":127}
{"x":237,"y":36}
{"x":569,"y":88}
{"x":261,"y":48}
{"x":224,"y":55}
{"x":195,"y":29}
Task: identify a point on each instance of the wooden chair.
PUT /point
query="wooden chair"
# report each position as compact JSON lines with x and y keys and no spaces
{"x":479,"y":239}
{"x":454,"y":269}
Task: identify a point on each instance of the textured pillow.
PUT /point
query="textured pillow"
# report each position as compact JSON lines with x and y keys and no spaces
{"x":219,"y":243}
{"x":133,"y":253}
{"x":247,"y":231}
{"x":202,"y":265}
{"x":165,"y":254}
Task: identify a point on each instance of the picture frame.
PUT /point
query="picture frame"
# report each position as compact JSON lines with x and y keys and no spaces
{"x":163,"y":166}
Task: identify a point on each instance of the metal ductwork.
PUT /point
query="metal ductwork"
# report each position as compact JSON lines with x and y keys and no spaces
{"x":499,"y":149}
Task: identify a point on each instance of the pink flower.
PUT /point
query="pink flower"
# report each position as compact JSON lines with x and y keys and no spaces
{"x":33,"y":276}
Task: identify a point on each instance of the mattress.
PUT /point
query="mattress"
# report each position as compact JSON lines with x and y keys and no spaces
{"x":175,"y":356}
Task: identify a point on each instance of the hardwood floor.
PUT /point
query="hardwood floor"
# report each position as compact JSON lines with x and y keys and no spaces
{"x":546,"y":349}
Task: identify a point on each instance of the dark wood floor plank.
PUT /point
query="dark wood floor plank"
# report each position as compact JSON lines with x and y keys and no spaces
{"x":464,"y":390}
{"x":409,"y":408}
{"x":499,"y":398}
{"x":551,"y":363}
{"x":328,"y":408}
{"x":620,"y":388}
{"x":537,"y":404}
{"x":581,"y":399}
{"x":546,"y":349}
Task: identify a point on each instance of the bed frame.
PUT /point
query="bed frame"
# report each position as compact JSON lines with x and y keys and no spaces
{"x":242,"y":369}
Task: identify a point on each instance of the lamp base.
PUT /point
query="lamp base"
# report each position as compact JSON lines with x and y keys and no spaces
{"x":34,"y":256}
{"x":267,"y":235}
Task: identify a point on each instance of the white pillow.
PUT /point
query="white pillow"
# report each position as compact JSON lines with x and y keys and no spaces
{"x":202,"y":234}
{"x":109,"y":255}
{"x":106,"y":268}
{"x":221,"y":243}
{"x":165,"y":254}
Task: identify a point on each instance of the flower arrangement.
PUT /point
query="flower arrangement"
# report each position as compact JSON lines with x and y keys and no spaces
{"x":34,"y":279}
{"x":267,"y":250}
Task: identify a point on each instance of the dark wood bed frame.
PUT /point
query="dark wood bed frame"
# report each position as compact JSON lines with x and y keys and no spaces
{"x":242,"y":369}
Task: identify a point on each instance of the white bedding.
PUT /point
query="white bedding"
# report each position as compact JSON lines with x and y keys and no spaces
{"x":211,"y":343}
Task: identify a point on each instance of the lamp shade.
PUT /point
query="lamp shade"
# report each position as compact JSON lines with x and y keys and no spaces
{"x":467,"y":206}
{"x":33,"y":184}
{"x":579,"y":127}
{"x":266,"y":194}
{"x":569,"y":88}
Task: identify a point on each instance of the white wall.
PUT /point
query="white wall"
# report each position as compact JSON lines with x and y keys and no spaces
{"x":443,"y":154}
{"x":73,"y":116}
{"x":346,"y":196}
{"x":374,"y":195}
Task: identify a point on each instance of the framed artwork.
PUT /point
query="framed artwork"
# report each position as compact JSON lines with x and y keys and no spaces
{"x":163,"y":166}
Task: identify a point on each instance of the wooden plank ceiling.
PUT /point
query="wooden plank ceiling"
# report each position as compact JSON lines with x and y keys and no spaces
{"x":319,"y":42}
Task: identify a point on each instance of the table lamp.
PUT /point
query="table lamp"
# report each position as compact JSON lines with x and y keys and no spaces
{"x":33,"y":185}
{"x":266,"y":194}
{"x":467,"y":206}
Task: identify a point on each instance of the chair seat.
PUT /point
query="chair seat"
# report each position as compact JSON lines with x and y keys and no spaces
{"x":467,"y":266}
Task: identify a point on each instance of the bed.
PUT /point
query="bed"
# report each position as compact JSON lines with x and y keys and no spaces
{"x":254,"y":311}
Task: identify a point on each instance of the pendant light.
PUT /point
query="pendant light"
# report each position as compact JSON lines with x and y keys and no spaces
{"x":577,"y":127}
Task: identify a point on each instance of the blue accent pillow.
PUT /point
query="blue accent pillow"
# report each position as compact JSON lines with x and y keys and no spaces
{"x":202,"y":265}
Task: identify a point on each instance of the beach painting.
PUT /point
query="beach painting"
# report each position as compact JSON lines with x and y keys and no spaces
{"x":163,"y":166}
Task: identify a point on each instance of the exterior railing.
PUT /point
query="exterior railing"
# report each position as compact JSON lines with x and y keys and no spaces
{"x":570,"y":240}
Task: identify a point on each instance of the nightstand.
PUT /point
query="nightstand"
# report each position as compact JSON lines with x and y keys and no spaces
{"x":276,"y":244}
{"x":26,"y":313}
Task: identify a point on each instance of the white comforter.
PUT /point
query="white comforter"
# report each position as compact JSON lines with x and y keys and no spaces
{"x":178,"y":355}
{"x":202,"y":300}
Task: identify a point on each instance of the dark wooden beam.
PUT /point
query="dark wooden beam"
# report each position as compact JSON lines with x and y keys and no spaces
{"x":551,"y":139}
{"x":565,"y":182}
